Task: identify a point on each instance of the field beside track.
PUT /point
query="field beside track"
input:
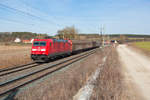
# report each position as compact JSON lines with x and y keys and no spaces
{"x":143,"y":45}
{"x":13,"y":55}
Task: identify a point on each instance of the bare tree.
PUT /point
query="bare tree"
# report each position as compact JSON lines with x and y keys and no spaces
{"x":68,"y":33}
{"x":122,"y":38}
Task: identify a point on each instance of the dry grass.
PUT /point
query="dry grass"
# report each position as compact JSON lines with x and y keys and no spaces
{"x":112,"y":84}
{"x":14,"y":55}
{"x":65,"y":85}
{"x":141,"y":50}
{"x":143,"y":45}
{"x":109,"y":84}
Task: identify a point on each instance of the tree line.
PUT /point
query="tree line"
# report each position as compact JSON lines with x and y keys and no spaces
{"x":65,"y":33}
{"x":11,"y":36}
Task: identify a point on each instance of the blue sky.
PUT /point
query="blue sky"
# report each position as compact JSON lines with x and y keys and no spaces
{"x":48,"y":16}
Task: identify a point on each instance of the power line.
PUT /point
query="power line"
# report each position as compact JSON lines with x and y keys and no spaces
{"x":17,"y":11}
{"x":25,"y":13}
{"x":2,"y":6}
{"x":14,"y":21}
{"x":40,"y":12}
{"x":28,"y":14}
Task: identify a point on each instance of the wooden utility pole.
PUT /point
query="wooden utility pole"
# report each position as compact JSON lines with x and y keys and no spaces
{"x":102,"y":34}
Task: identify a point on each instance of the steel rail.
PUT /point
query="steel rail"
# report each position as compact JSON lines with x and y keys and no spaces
{"x":21,"y":68}
{"x":30,"y":81}
{"x":27,"y":75}
{"x":7,"y":69}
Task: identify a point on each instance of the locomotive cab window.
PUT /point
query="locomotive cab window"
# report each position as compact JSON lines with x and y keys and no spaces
{"x":39,"y":43}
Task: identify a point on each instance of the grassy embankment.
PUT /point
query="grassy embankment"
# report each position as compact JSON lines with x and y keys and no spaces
{"x":143,"y":45}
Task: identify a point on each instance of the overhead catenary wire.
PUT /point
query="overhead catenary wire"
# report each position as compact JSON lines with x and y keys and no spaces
{"x":15,"y":21}
{"x":10,"y":20}
{"x":33,"y":15}
{"x":26,"y":4}
{"x":20,"y":11}
{"x":26,"y":13}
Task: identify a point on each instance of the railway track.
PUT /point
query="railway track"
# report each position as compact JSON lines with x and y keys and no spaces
{"x":8,"y":88}
{"x":17,"y":69}
{"x":12,"y":68}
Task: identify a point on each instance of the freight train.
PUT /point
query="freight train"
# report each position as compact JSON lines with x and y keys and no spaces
{"x":45,"y":49}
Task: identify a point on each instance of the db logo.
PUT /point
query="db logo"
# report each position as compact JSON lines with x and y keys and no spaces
{"x":39,"y":49}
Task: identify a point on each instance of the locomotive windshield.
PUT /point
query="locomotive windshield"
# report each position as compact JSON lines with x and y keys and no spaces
{"x":39,"y":43}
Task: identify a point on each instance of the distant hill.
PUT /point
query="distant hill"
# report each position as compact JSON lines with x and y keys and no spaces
{"x":94,"y":35}
{"x":129,"y":35}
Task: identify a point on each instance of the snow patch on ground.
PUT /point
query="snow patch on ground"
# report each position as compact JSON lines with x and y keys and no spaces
{"x":85,"y":92}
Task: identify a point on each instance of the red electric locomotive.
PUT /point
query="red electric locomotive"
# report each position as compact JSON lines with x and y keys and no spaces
{"x":45,"y":49}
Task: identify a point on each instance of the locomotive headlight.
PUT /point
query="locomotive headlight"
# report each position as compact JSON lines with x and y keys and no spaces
{"x":43,"y":49}
{"x":34,"y":49}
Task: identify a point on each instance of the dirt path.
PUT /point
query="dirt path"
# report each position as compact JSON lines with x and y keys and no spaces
{"x":137,"y":70}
